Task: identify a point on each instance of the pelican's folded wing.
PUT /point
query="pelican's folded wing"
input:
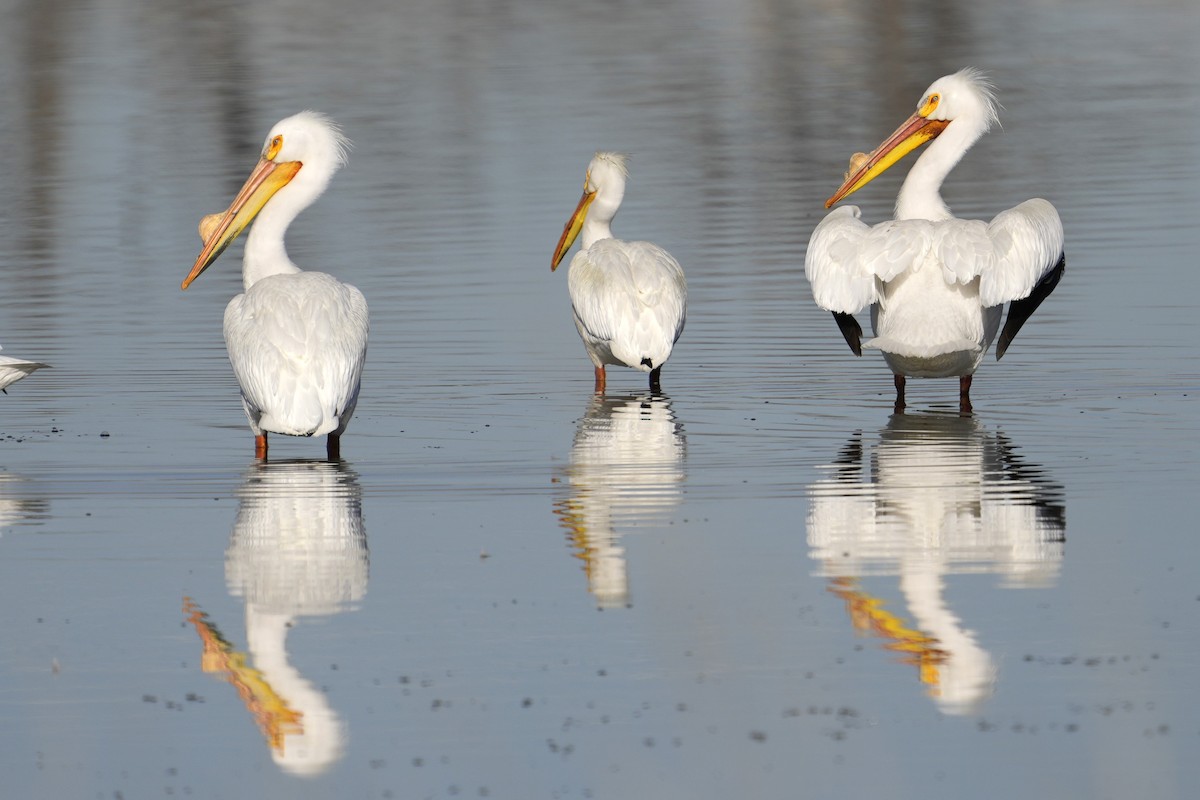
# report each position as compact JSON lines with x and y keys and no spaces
{"x":631,"y":296}
{"x":297,"y":344}
{"x":600,"y":283}
{"x":661,"y":289}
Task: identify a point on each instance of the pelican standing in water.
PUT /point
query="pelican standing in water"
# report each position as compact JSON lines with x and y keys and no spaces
{"x":14,"y":369}
{"x":629,"y":298}
{"x":297,"y":340}
{"x":936,"y":285}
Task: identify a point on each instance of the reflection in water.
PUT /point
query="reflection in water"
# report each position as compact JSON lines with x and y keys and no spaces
{"x":15,"y":506}
{"x":625,"y":471}
{"x":936,"y":494}
{"x":298,"y":549}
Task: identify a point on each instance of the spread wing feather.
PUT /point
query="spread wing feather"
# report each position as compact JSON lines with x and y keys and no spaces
{"x":840,"y":281}
{"x":1010,"y":255}
{"x":1028,"y":243}
{"x":845,"y":257}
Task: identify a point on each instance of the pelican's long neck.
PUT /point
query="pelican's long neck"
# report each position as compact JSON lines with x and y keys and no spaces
{"x":966,"y":676}
{"x":265,"y":253}
{"x":594,"y":230}
{"x":598,"y":224}
{"x":921,"y":194}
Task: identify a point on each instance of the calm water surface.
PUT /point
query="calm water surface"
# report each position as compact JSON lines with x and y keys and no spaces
{"x":760,"y":585}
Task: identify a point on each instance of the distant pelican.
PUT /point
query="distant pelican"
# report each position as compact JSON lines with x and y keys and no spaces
{"x":297,"y":340}
{"x":629,"y":298}
{"x":14,"y":369}
{"x":936,"y":285}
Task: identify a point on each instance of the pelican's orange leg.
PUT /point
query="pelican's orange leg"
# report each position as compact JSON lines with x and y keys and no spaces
{"x":260,"y":446}
{"x":601,"y":379}
{"x":964,"y":394}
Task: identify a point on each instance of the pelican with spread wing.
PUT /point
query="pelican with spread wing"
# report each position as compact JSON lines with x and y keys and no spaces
{"x":936,"y":285}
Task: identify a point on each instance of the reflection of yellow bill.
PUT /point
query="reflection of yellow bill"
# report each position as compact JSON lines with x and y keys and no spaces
{"x":271,"y":713}
{"x":868,"y":614}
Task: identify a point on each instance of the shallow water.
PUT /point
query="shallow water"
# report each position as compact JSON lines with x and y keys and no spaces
{"x":762,"y":581}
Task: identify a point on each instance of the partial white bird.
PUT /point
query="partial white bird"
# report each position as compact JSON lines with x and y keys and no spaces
{"x":297,"y":340}
{"x":14,"y":369}
{"x":936,"y":285}
{"x":629,"y":298}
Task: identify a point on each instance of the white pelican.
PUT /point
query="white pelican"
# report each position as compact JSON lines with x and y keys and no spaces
{"x":629,"y":298}
{"x":936,"y":285}
{"x":14,"y":369}
{"x":297,"y":340}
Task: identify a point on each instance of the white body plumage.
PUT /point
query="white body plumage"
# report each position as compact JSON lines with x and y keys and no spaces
{"x":297,"y":343}
{"x":629,"y":300}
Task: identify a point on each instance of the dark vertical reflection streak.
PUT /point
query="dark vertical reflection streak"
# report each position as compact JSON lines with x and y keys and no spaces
{"x":44,"y":24}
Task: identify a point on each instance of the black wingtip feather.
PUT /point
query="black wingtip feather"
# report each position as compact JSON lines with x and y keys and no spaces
{"x":851,"y":331}
{"x":1021,"y":310}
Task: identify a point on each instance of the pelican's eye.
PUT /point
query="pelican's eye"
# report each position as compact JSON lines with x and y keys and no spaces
{"x":274,"y":147}
{"x":930,"y":105}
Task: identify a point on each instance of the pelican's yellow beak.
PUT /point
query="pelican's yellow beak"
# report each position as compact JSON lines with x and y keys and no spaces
{"x":571,"y":229}
{"x":914,"y":132}
{"x":267,"y":178}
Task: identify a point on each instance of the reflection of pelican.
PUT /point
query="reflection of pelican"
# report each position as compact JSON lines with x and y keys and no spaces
{"x":936,"y":285}
{"x":936,"y":494}
{"x":626,"y":471}
{"x":298,"y":549}
{"x":14,"y":508}
{"x":296,"y":340}
{"x":629,"y":298}
{"x":14,"y":369}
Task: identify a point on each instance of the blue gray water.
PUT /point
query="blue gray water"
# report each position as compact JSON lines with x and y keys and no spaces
{"x":761,"y":585}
